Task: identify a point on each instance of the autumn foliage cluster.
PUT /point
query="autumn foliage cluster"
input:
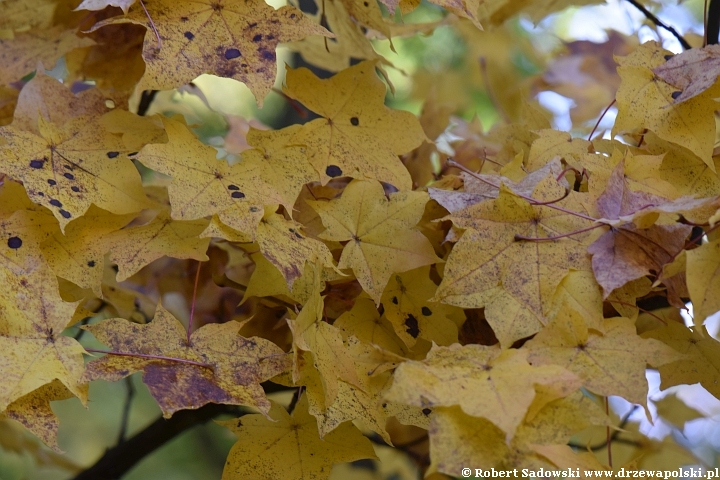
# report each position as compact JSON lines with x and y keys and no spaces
{"x":485,"y":297}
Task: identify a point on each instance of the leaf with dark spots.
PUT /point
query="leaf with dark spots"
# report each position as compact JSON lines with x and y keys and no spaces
{"x":200,"y":182}
{"x":14,"y":242}
{"x":334,"y":141}
{"x":412,"y":326}
{"x":72,"y":153}
{"x":218,"y":366}
{"x":191,"y":31}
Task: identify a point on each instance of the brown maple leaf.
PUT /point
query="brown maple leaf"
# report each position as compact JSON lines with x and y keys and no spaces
{"x":215,"y":365}
{"x":627,"y":252}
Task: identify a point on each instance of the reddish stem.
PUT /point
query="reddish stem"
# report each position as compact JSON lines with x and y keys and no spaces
{"x":152,"y":25}
{"x":693,"y":240}
{"x":607,"y":433}
{"x":556,"y":237}
{"x":151,"y":357}
{"x":531,"y":200}
{"x":639,"y":308}
{"x":567,"y":192}
{"x":293,"y":103}
{"x":600,"y":120}
{"x":192,"y":306}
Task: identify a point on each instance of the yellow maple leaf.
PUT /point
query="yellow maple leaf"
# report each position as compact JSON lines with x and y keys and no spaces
{"x":331,"y":359}
{"x":45,"y":96}
{"x":283,"y":244}
{"x":21,"y":55}
{"x":645,"y":101}
{"x":642,"y":172}
{"x":34,"y":350}
{"x":487,"y":382}
{"x":407,"y":306}
{"x":609,"y":364}
{"x":364,"y":405}
{"x":676,"y":411}
{"x":34,"y":413}
{"x":358,"y":135}
{"x":214,"y":365}
{"x":364,"y":322}
{"x":514,"y":280}
{"x":703,"y":280}
{"x":702,"y":361}
{"x":78,"y":255}
{"x":229,"y":38}
{"x":552,"y":144}
{"x":68,"y":167}
{"x":458,"y":440}
{"x":202,"y":185}
{"x":283,"y":166}
{"x":289,"y":447}
{"x":23,"y":230}
{"x":380,"y":232}
{"x":133,"y":248}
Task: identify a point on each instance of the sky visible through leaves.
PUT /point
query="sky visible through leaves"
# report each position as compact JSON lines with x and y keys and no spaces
{"x":355,"y":233}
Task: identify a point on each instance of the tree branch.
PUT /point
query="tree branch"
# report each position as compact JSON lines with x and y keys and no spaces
{"x":660,"y":24}
{"x":118,"y":460}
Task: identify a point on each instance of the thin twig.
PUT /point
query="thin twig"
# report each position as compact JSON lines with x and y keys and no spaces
{"x":608,"y":435}
{"x":296,"y":397}
{"x":152,"y":25}
{"x":660,"y":24}
{"x":613,"y":437}
{"x":126,"y":410}
{"x":192,"y":305}
{"x":556,"y":237}
{"x":531,"y":200}
{"x":597,"y":124}
{"x":639,"y":308}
